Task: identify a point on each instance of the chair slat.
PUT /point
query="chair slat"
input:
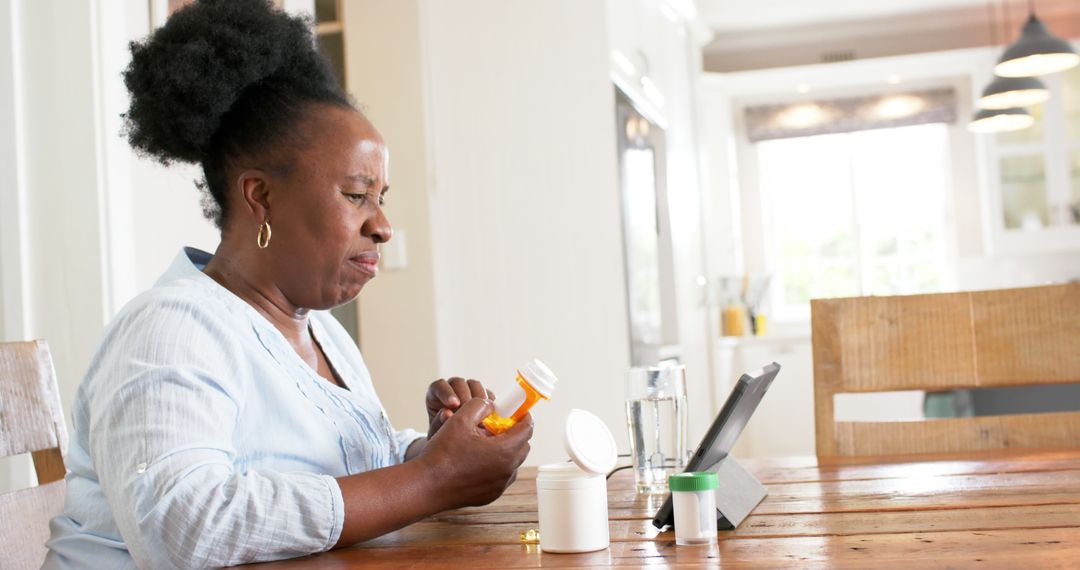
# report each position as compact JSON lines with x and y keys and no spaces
{"x":1026,"y":431}
{"x":31,"y":421}
{"x":30,"y":416}
{"x":940,"y":342}
{"x":1027,"y":336}
{"x":24,"y":524}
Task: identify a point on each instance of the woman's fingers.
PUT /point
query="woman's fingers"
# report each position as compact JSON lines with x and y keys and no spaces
{"x":523,"y":429}
{"x":454,"y":392}
{"x":475,"y":410}
{"x":438,"y":420}
{"x":476,"y":389}
{"x":518,"y":436}
{"x":468,"y":389}
{"x":441,"y":395}
{"x":445,"y":397}
{"x":461,"y":389}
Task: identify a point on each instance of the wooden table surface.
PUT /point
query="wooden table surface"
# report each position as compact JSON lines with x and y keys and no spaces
{"x":987,"y":510}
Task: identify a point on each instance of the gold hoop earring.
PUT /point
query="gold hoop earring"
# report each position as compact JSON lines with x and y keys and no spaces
{"x":263,"y":239}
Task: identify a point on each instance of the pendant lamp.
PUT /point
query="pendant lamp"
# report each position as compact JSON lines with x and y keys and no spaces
{"x":1008,"y":92}
{"x":1000,"y":120}
{"x":1037,"y":52}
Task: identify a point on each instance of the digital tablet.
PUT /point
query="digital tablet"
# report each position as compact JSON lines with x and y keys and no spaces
{"x":725,"y":429}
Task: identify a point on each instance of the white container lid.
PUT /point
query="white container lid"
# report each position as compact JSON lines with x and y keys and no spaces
{"x":565,"y":476}
{"x":541,"y":377}
{"x":589,"y":443}
{"x":554,"y":473}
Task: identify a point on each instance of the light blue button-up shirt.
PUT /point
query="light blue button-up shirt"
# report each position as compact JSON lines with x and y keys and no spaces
{"x":202,"y":439}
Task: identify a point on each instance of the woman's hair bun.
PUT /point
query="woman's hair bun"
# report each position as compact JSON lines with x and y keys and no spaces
{"x":186,"y":76}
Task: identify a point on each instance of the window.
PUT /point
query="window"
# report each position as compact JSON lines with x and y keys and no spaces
{"x":852,"y":214}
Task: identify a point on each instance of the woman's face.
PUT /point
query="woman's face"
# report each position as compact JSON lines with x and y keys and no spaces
{"x":327,"y":218}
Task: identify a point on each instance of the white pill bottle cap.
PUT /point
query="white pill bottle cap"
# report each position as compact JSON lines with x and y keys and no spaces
{"x":539,"y":376}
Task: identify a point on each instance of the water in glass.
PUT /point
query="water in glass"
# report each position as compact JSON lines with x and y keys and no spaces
{"x":656,"y":421}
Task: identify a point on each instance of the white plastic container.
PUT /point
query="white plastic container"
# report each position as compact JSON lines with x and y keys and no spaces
{"x":572,"y":496}
{"x":693,"y":496}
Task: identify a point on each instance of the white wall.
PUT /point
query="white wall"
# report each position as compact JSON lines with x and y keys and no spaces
{"x":12,"y":189}
{"x":525,"y":212}
{"x":15,"y":473}
{"x":504,"y":182}
{"x":64,"y":172}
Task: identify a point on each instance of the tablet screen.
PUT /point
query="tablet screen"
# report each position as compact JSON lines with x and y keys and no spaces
{"x":726,"y":428}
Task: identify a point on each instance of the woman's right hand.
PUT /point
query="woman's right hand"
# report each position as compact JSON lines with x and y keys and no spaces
{"x":461,"y":465}
{"x":468,"y":464}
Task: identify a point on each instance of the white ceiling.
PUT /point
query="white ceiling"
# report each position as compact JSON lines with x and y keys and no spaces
{"x":744,"y":15}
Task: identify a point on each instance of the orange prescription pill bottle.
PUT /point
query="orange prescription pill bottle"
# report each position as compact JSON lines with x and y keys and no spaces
{"x":534,"y":382}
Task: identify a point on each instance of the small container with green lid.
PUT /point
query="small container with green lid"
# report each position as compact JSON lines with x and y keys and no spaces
{"x":693,"y":496}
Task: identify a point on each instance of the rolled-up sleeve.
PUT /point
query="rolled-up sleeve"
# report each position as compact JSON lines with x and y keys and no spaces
{"x":161,"y":440}
{"x":403,"y":438}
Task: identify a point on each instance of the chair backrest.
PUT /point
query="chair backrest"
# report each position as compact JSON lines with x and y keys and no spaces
{"x":940,"y":342}
{"x":30,"y":422}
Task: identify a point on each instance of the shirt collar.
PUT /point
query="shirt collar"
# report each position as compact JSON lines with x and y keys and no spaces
{"x":188,"y":264}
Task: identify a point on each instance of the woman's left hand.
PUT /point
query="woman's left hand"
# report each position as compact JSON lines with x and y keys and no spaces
{"x":444,"y":397}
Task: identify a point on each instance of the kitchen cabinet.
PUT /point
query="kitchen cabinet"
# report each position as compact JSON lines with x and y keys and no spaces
{"x":783,"y":424}
{"x":1035,"y":175}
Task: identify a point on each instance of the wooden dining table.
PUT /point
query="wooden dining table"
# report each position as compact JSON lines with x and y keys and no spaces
{"x":1002,"y":509}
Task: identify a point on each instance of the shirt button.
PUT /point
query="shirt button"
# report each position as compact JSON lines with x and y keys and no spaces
{"x":140,"y":468}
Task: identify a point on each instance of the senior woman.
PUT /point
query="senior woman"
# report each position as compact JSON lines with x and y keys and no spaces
{"x":226,"y":418}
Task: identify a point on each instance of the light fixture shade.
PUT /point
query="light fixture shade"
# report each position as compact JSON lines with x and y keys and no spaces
{"x":1008,"y":92}
{"x":1037,"y":52}
{"x":1000,"y":120}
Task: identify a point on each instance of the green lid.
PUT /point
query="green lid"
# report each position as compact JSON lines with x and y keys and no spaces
{"x":693,"y":481}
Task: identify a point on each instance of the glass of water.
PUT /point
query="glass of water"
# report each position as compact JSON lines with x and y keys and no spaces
{"x":656,"y":420}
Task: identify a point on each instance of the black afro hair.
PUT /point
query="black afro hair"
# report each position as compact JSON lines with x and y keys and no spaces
{"x":223,"y":79}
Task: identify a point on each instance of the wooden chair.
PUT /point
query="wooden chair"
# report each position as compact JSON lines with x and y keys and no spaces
{"x":30,"y":422}
{"x":939,"y":342}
